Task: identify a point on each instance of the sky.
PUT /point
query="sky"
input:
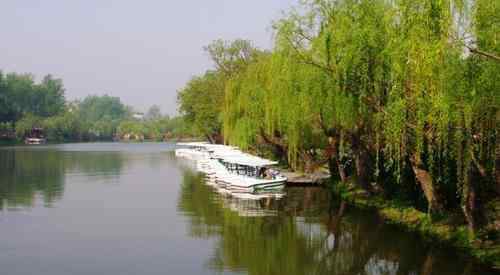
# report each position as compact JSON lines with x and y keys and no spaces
{"x":141,"y":51}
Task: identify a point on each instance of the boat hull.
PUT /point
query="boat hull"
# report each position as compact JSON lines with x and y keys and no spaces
{"x":217,"y":174}
{"x":35,"y":141}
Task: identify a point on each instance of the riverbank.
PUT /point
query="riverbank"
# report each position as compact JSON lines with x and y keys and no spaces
{"x":297,"y":178}
{"x":445,"y":230}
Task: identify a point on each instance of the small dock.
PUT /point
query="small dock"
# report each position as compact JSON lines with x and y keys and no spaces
{"x":298,"y":178}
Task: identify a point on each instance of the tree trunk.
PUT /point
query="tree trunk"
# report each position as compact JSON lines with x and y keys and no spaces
{"x":342,"y":172}
{"x":337,"y":170}
{"x":428,"y":264}
{"x":334,"y":164}
{"x":424,"y":179}
{"x":469,"y":201}
{"x":466,"y":170}
{"x":308,"y":159}
{"x":362,"y":169}
{"x":332,"y":167}
{"x":497,"y":164}
{"x":362,"y":162}
{"x":280,"y":150}
{"x":210,"y":138}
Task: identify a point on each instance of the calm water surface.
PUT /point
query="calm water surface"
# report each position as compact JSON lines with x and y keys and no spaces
{"x":112,"y":208}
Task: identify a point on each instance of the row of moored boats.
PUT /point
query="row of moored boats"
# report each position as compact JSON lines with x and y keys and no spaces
{"x":233,"y":170}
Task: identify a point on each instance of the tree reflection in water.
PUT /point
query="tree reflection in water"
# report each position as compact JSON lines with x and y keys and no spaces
{"x":305,"y":232}
{"x":28,"y":173}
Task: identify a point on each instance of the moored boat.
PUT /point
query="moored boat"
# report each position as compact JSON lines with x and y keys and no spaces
{"x":35,"y":141}
{"x":232,"y":169}
{"x":35,"y":136}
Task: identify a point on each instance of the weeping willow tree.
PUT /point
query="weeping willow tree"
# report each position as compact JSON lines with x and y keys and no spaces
{"x":274,"y":102}
{"x":419,"y":104}
{"x":334,"y":57}
{"x":201,"y":101}
{"x":389,"y":82}
{"x":441,"y":114}
{"x":244,"y":100}
{"x":406,"y":91}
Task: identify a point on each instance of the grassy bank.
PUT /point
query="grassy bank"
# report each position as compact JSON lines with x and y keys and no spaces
{"x":443,"y":230}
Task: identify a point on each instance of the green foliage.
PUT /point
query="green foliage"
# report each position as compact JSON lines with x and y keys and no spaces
{"x":201,"y":103}
{"x":25,"y":104}
{"x":64,"y":127}
{"x":395,"y":86}
{"x":6,"y":127}
{"x":95,"y":108}
{"x":20,"y":95}
{"x":99,"y":116}
{"x":28,"y":122}
{"x":176,"y":127}
{"x":232,"y":57}
{"x":158,"y":130}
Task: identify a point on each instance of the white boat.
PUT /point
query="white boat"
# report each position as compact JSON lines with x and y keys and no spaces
{"x":232,"y":169}
{"x":34,"y":141}
{"x":35,"y":136}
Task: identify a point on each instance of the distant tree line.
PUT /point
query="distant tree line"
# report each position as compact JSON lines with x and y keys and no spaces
{"x":26,"y":104}
{"x":402,"y":96}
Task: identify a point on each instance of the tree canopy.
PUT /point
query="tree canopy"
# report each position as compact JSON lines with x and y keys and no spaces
{"x":26,"y":104}
{"x":20,"y":95}
{"x":392,"y":93}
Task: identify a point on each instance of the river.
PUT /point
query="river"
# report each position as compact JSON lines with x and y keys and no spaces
{"x":133,"y":208}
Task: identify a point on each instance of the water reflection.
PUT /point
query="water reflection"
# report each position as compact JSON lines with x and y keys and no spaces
{"x":248,"y":204}
{"x":28,"y":174}
{"x":126,"y":206}
{"x":305,"y":232}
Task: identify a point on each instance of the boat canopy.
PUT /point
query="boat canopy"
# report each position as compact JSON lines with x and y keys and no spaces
{"x":249,"y":161}
{"x":230,"y":154}
{"x":192,"y":143}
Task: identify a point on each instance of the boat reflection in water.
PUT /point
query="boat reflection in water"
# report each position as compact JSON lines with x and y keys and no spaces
{"x":234,"y":176}
{"x":248,"y":204}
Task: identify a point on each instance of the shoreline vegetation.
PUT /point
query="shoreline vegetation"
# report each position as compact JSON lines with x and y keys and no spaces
{"x":398,"y":100}
{"x":26,"y":105}
{"x":443,"y":231}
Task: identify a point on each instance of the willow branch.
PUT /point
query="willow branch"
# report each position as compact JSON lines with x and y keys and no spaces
{"x":480,"y":168}
{"x":483,"y":53}
{"x":475,"y":50}
{"x":306,"y":60}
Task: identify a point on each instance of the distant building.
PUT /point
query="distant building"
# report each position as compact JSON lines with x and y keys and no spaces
{"x":139,"y":116}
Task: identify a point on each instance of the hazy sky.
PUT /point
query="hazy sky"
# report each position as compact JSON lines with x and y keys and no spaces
{"x":140,"y":50}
